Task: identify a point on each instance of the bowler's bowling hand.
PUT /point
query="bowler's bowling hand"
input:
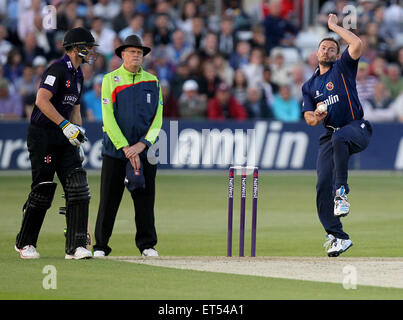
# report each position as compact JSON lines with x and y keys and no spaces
{"x":332,"y":21}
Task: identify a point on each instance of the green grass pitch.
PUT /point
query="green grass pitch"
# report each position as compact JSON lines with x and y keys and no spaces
{"x":191,"y":220}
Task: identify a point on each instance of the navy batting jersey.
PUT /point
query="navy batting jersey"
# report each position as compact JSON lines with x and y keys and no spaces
{"x":65,"y":82}
{"x":337,"y":89}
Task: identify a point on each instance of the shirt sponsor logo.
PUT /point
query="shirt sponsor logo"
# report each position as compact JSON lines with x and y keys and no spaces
{"x":70,"y":99}
{"x":330,"y":86}
{"x":318,"y":94}
{"x":68,"y":84}
{"x":332,"y":99}
{"x":50,"y":80}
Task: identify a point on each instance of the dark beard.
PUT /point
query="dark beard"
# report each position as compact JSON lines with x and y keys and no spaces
{"x":326,"y":63}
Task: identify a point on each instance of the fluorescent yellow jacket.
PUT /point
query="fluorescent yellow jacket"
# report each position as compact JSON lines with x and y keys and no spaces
{"x":131,"y":110}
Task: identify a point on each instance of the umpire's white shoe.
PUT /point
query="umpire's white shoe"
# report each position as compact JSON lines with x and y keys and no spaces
{"x":341,"y":204}
{"x":79,"y":253}
{"x":149,"y":253}
{"x":336,"y":246}
{"x":99,"y":253}
{"x":28,"y":252}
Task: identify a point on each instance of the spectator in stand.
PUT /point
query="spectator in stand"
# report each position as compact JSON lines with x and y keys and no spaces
{"x":225,"y":72}
{"x":258,"y":39}
{"x":191,"y":104}
{"x":170,"y":109}
{"x":298,"y":79}
{"x":185,"y":22}
{"x":224,"y":106}
{"x":10,"y":103}
{"x":269,"y":89}
{"x":198,"y":33}
{"x":393,"y":80}
{"x":43,"y":37}
{"x":161,"y":30}
{"x":39,"y":64}
{"x":107,"y":9}
{"x":30,"y":49}
{"x":56,"y":50}
{"x":66,"y":15}
{"x":114,"y":63}
{"x":92,"y":100}
{"x":239,"y":89}
{"x":365,"y":82}
{"x":379,"y":107}
{"x":368,"y":53}
{"x":241,"y":55}
{"x":181,"y":75}
{"x":26,"y":19}
{"x":254,"y":69}
{"x":311,"y":64}
{"x":162,"y":64}
{"x":26,"y":84}
{"x":14,"y":67}
{"x":281,"y":72}
{"x":256,"y":105}
{"x":104,"y":36}
{"x":285,"y":107}
{"x":375,"y":41}
{"x":100,"y":65}
{"x":136,"y":26}
{"x":88,"y":74}
{"x":209,"y":80}
{"x":5,"y":46}
{"x":276,"y":27}
{"x":209,"y":46}
{"x":226,"y":38}
{"x":178,"y":49}
{"x":194,"y":64}
{"x":378,"y":68}
{"x":122,"y":20}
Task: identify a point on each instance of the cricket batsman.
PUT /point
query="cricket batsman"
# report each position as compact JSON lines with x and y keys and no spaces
{"x":54,"y":137}
{"x":330,"y":97}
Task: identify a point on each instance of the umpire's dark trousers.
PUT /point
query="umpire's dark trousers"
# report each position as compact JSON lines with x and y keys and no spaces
{"x":112,"y":187}
{"x":335,"y":150}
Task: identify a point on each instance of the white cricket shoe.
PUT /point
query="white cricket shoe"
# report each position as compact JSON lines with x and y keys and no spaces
{"x":79,"y":253}
{"x":341,"y":204}
{"x":99,"y":253}
{"x":28,"y":252}
{"x":149,"y":253}
{"x":336,"y":246}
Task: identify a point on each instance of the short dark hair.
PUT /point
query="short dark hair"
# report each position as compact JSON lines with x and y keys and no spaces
{"x":331,"y":39}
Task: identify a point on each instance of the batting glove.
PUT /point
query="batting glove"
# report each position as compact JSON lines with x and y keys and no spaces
{"x":72,"y":132}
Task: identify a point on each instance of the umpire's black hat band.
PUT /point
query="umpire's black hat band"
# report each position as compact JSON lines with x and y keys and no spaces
{"x":132,"y":41}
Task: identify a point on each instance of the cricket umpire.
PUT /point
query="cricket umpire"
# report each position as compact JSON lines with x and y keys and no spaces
{"x":53,"y":139}
{"x":330,"y":96}
{"x":132,"y":118}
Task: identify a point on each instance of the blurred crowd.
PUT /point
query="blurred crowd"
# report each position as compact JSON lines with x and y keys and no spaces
{"x":227,"y":63}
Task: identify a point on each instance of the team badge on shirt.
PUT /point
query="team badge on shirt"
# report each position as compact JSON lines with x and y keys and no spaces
{"x":50,"y":80}
{"x":117,"y":79}
{"x":330,"y":86}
